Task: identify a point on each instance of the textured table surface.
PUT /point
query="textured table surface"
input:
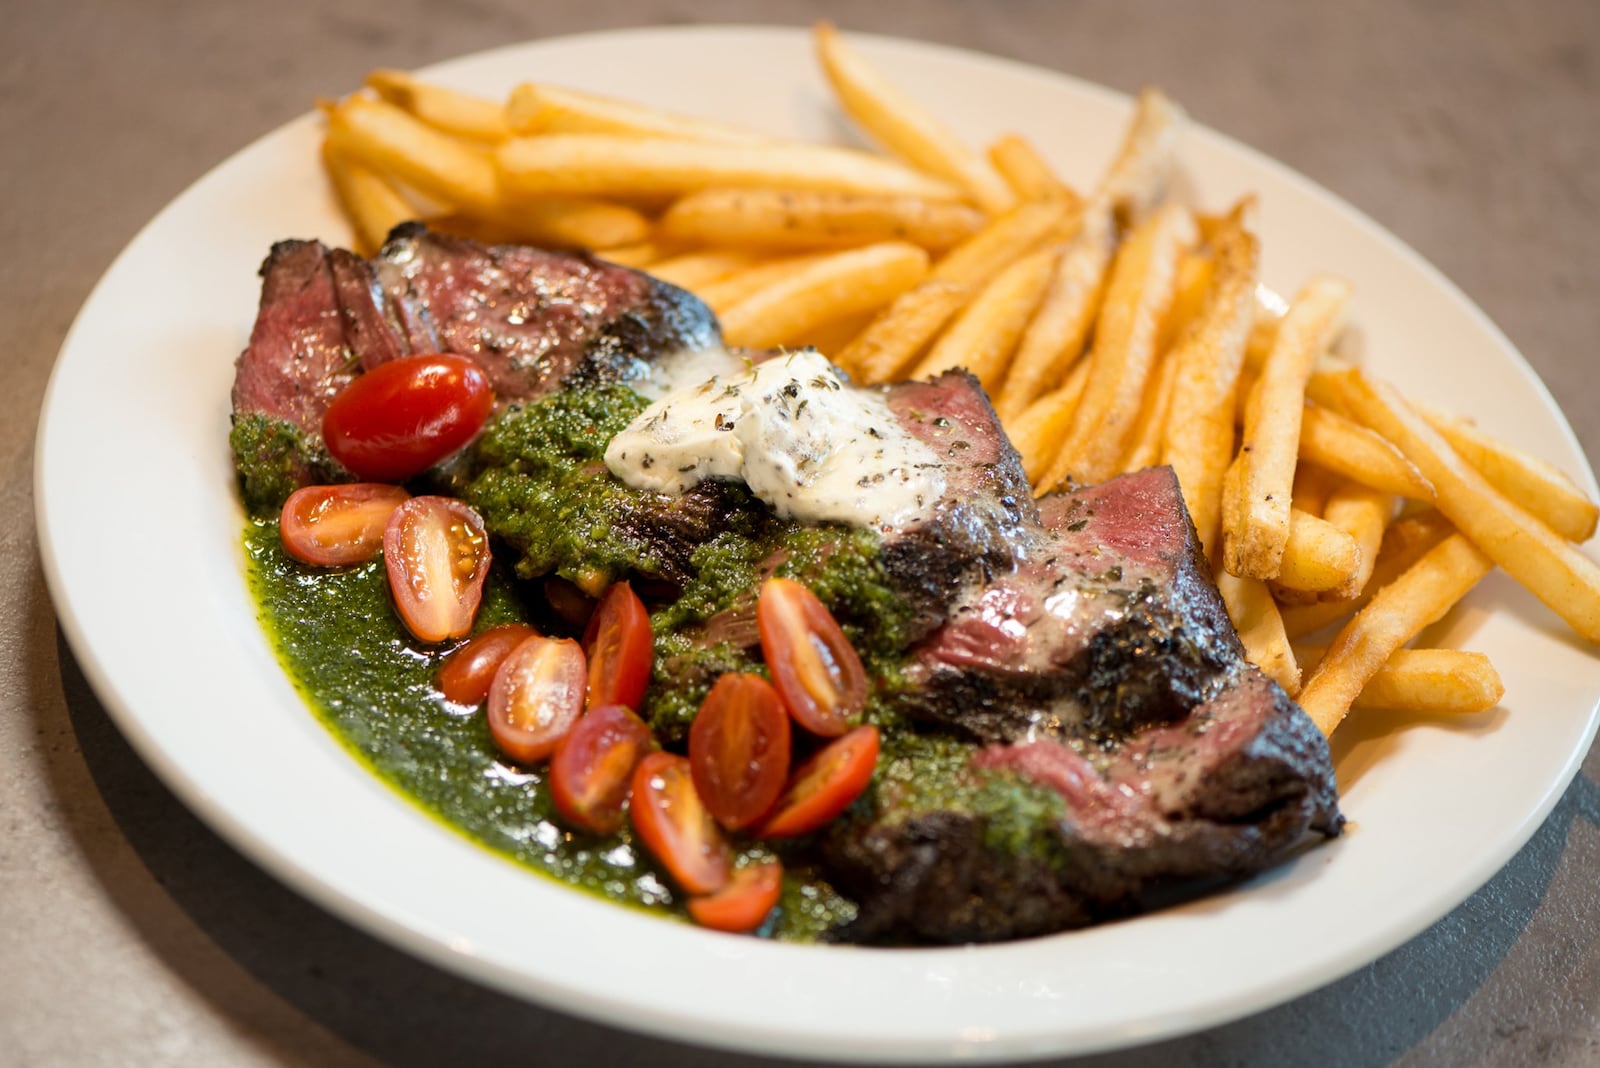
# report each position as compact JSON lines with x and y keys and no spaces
{"x":130,"y":934}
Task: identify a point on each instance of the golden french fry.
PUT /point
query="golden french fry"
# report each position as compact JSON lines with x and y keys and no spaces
{"x":567,"y":222}
{"x":1255,"y":617}
{"x":1313,"y":486}
{"x":903,"y":126}
{"x":1150,"y":427}
{"x":1363,"y":513}
{"x":373,"y":205}
{"x":1255,"y":506}
{"x":1403,"y":545}
{"x":1138,"y":297}
{"x":1194,"y":281}
{"x":692,"y":270}
{"x":985,"y":333}
{"x":1138,"y":179}
{"x":1198,"y":440}
{"x":640,"y":254}
{"x":449,"y":110}
{"x":1532,"y":553}
{"x":829,"y":338}
{"x":616,"y":165}
{"x":889,"y":344}
{"x":724,"y":293}
{"x":834,"y":287}
{"x":1350,"y":449}
{"x":1536,"y":486}
{"x":1055,"y":338}
{"x":1025,"y":171}
{"x":1419,"y":597}
{"x":1317,"y":555}
{"x":552,"y":109}
{"x":393,"y":142}
{"x":1038,"y":431}
{"x":782,"y":219}
{"x":1429,"y":681}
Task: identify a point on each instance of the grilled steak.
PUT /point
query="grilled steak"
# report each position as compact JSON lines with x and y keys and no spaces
{"x":1101,"y":679}
{"x":533,"y":320}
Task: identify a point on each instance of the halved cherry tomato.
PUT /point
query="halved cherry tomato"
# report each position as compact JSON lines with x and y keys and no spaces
{"x":469,"y":671}
{"x":751,"y":894}
{"x":675,"y":826}
{"x":437,"y":555}
{"x":333,"y":526}
{"x":739,"y":749}
{"x":404,"y":416}
{"x":536,"y":697}
{"x":813,"y":664}
{"x":592,"y":769}
{"x":621,"y":648}
{"x":825,"y":785}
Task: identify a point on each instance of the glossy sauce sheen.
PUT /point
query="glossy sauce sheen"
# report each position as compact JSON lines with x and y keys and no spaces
{"x":812,"y":446}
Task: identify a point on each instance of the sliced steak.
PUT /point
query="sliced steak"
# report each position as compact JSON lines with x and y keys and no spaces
{"x":1101,"y":683}
{"x":534,"y":320}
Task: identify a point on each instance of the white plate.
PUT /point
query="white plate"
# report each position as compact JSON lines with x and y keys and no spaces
{"x":140,"y":532}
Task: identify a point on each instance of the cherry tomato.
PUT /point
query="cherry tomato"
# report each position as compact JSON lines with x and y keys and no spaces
{"x":333,"y":526}
{"x":813,"y":664}
{"x":825,"y":785}
{"x":468,"y":672}
{"x":742,"y":905}
{"x":406,"y":415}
{"x":437,"y":555}
{"x":739,"y":749}
{"x":675,"y":826}
{"x":621,"y":648}
{"x":536,"y":697}
{"x":592,"y":769}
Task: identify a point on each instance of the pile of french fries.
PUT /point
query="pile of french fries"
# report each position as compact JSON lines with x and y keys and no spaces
{"x":1114,"y":328}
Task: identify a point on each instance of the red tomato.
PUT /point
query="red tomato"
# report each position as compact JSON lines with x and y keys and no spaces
{"x":739,"y":749}
{"x":621,"y":648}
{"x":536,"y":697}
{"x":825,"y":785}
{"x":437,"y":555}
{"x":406,"y":415}
{"x":468,"y":672}
{"x":675,"y":826}
{"x":813,"y":664}
{"x":742,"y":905}
{"x":592,"y":769}
{"x":333,"y":526}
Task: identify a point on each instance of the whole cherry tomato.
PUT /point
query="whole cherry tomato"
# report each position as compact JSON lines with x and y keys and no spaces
{"x":404,"y":416}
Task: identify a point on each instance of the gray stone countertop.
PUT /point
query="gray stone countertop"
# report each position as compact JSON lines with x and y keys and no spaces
{"x":131,"y":935}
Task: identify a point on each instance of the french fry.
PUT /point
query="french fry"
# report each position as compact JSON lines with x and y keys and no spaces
{"x":834,"y":287}
{"x":1317,"y":555}
{"x":1025,"y":171}
{"x":1255,"y":504}
{"x":1138,"y":179}
{"x":724,"y":293}
{"x":1363,"y":513}
{"x":374,"y":206}
{"x":902,"y":125}
{"x":1403,"y":545}
{"x":1531,"y":483}
{"x":1138,"y":297}
{"x":782,"y":219}
{"x":984,"y":335}
{"x":615,"y":165}
{"x":393,"y":142}
{"x":1428,"y":681}
{"x":1313,"y":486}
{"x":449,"y":110}
{"x":1038,"y":431}
{"x":639,"y":254}
{"x":889,"y":344}
{"x":1255,"y":616}
{"x":1199,"y":433}
{"x":1345,"y":446}
{"x":1395,"y":615}
{"x":568,"y":222}
{"x":552,"y":109}
{"x":692,"y":270}
{"x":1533,"y":554}
{"x":1194,"y":281}
{"x":1151,"y":425}
{"x":1055,"y":338}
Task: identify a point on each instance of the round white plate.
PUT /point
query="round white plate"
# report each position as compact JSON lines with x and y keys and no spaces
{"x":140,"y":532}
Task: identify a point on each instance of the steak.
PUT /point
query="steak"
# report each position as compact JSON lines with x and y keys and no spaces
{"x":1102,"y":684}
{"x":533,"y":320}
